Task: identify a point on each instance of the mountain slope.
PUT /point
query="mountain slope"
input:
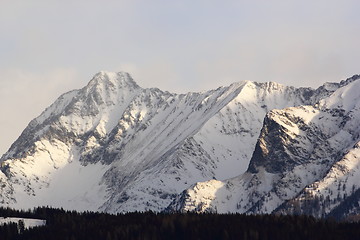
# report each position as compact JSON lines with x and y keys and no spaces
{"x":212,"y":151}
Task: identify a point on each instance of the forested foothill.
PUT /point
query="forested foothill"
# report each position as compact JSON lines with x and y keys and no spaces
{"x":61,"y":224}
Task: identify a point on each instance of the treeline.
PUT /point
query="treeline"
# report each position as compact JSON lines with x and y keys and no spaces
{"x":73,"y":225}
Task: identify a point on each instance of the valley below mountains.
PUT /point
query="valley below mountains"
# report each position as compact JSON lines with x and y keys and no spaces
{"x":249,"y":147}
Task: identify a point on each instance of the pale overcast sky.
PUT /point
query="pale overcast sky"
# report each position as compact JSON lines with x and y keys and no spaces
{"x":48,"y":47}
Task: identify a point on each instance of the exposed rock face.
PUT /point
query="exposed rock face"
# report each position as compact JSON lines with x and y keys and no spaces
{"x":114,"y":146}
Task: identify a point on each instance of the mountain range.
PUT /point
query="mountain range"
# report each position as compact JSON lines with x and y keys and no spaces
{"x":249,"y":147}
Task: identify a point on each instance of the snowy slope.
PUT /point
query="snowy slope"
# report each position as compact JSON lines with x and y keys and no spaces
{"x":114,"y":146}
{"x":28,"y":222}
{"x":305,"y":161}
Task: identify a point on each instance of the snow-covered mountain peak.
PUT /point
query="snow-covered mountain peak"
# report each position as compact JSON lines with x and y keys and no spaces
{"x":266,"y":85}
{"x":115,"y":79}
{"x":330,"y":86}
{"x":346,"y":97}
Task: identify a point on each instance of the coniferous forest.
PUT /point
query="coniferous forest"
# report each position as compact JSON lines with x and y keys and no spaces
{"x":73,"y":225}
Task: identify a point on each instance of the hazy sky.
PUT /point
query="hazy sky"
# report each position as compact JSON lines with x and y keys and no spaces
{"x":48,"y":47}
